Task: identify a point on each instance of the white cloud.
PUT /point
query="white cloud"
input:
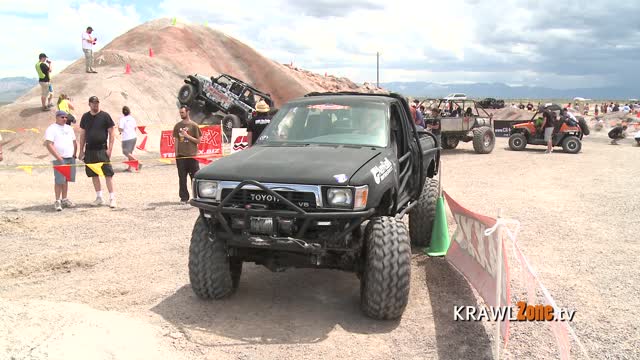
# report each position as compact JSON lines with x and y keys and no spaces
{"x":58,"y":33}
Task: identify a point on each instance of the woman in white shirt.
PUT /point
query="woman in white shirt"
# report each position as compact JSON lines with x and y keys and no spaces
{"x":127,"y":127}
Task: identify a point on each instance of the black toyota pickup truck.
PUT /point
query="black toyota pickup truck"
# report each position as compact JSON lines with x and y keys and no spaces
{"x":326,"y":186}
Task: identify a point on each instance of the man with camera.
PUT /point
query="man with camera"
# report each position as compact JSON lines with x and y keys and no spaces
{"x":43,"y":67}
{"x":87,"y":47}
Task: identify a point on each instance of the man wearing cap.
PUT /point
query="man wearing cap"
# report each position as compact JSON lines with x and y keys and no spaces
{"x":87,"y":46}
{"x":60,"y":140}
{"x":256,"y":125}
{"x":96,"y":128}
{"x":43,"y":67}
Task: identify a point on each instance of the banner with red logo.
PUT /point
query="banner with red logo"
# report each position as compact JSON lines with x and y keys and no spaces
{"x":239,"y":139}
{"x":475,"y":256}
{"x":210,"y":143}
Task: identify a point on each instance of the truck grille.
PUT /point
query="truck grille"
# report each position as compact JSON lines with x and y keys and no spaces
{"x":305,"y":200}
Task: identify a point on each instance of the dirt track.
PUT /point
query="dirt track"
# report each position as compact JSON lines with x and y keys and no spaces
{"x":118,"y":288}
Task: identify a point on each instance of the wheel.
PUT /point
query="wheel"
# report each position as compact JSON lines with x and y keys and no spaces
{"x":213,"y":275}
{"x":229,"y":122}
{"x":517,"y":142}
{"x":450,"y":142}
{"x":240,"y":113}
{"x":384,"y":287}
{"x":422,"y":216}
{"x":187,"y":94}
{"x":484,"y":140}
{"x":584,"y":127}
{"x":571,"y":144}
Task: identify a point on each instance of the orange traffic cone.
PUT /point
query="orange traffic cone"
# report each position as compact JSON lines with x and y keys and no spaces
{"x":127,"y":70}
{"x":143,"y":144}
{"x":150,"y":52}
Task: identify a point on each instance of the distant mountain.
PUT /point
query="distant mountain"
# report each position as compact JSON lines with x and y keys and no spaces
{"x":503,"y":91}
{"x":12,"y":88}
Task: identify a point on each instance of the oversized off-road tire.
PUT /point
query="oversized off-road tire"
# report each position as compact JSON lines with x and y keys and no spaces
{"x":229,"y":122}
{"x":517,"y":142}
{"x":384,"y":286}
{"x":584,"y":127}
{"x":450,"y":142}
{"x":212,"y":273}
{"x":571,"y":145}
{"x":422,"y":215}
{"x":484,"y":140}
{"x":187,"y":94}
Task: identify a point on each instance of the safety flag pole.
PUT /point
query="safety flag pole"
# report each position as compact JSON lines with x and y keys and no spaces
{"x":499,"y":284}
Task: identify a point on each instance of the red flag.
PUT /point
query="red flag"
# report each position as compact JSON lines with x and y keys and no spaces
{"x":142,"y":130}
{"x":142,"y":144}
{"x":64,"y":170}
{"x":133,"y":163}
{"x":150,"y":52}
{"x":127,"y":69}
{"x":204,"y":161}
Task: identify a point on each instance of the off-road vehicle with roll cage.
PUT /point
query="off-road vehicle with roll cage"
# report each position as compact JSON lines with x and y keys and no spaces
{"x":326,"y":186}
{"x":233,"y":99}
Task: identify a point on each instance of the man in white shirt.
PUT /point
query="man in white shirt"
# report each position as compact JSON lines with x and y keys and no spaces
{"x":127,"y":127}
{"x":87,"y":46}
{"x":60,"y":140}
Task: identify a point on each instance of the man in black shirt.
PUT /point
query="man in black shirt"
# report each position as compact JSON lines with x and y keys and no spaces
{"x":617,"y":133}
{"x":256,"y":125}
{"x":549,"y":124}
{"x":96,"y":127}
{"x":43,"y":68}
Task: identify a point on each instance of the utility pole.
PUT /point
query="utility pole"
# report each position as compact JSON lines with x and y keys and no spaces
{"x":377,"y":69}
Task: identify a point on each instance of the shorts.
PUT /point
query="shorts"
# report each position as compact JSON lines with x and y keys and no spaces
{"x":60,"y":179}
{"x":44,"y":89}
{"x":96,"y":156}
{"x":128,"y":146}
{"x":548,"y":132}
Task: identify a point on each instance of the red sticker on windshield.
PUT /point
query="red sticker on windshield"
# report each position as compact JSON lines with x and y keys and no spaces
{"x":329,"y":107}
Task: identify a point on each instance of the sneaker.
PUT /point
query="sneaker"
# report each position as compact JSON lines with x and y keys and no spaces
{"x":98,"y":201}
{"x":68,"y":203}
{"x":184,"y":202}
{"x":112,"y":203}
{"x":58,"y":205}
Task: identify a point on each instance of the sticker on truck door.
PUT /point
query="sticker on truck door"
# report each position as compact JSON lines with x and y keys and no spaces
{"x":382,"y":170}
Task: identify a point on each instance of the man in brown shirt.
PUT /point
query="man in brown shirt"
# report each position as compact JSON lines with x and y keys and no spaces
{"x":187,"y":136}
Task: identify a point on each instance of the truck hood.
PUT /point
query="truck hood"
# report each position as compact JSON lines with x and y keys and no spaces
{"x":311,"y":164}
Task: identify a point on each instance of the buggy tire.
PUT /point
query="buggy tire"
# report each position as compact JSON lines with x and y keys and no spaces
{"x":584,"y":127}
{"x":571,"y":145}
{"x":187,"y":94}
{"x":517,"y":142}
{"x":484,"y":140}
{"x":385,"y":282}
{"x":229,"y":122}
{"x":423,"y":215}
{"x":449,"y":143}
{"x":212,"y":273}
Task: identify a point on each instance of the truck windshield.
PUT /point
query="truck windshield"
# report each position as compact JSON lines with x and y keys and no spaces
{"x":364,"y":123}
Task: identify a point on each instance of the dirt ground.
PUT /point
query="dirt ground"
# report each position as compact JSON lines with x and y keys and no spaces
{"x":97,"y":283}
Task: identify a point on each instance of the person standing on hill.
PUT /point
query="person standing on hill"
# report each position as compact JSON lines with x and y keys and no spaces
{"x":127,"y":127}
{"x":96,"y":128}
{"x":43,"y":67}
{"x":87,"y":47}
{"x":187,"y":136}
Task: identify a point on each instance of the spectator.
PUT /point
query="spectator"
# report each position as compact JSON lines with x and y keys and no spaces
{"x":127,"y":128}
{"x":256,"y":125}
{"x":434,"y":125}
{"x":637,"y":137}
{"x":419,"y":116}
{"x":549,"y":124}
{"x":626,"y":109}
{"x":617,"y":133}
{"x":96,"y":128}
{"x":64,"y":104}
{"x":187,"y":136}
{"x":87,"y":47}
{"x":43,"y":67}
{"x":60,"y":140}
{"x":597,"y":110}
{"x":530,"y":106}
{"x":413,"y":111}
{"x":616,"y":108}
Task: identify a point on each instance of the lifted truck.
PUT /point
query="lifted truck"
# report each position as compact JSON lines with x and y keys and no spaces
{"x":234,"y":99}
{"x":326,"y":186}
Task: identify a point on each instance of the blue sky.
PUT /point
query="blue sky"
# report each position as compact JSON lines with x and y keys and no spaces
{"x":558,"y":44}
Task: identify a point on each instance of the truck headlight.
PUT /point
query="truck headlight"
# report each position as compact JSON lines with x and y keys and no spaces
{"x":208,"y":189}
{"x":340,"y":197}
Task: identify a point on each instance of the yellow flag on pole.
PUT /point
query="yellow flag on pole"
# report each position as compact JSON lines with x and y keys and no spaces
{"x":165,"y":161}
{"x":26,"y":168}
{"x":97,"y":168}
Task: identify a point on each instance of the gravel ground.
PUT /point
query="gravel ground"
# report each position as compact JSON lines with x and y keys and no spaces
{"x":106,"y":283}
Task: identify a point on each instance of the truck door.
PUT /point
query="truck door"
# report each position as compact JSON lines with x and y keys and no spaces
{"x":402,"y":134}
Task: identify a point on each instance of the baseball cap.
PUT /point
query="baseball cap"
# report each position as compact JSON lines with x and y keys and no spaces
{"x":42,"y":55}
{"x":60,"y":113}
{"x":94,"y":99}
{"x":89,"y":28}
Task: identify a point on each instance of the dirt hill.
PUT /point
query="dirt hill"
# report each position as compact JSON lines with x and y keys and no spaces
{"x":150,"y":90}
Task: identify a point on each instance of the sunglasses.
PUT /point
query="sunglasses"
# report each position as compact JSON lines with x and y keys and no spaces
{"x":62,"y":117}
